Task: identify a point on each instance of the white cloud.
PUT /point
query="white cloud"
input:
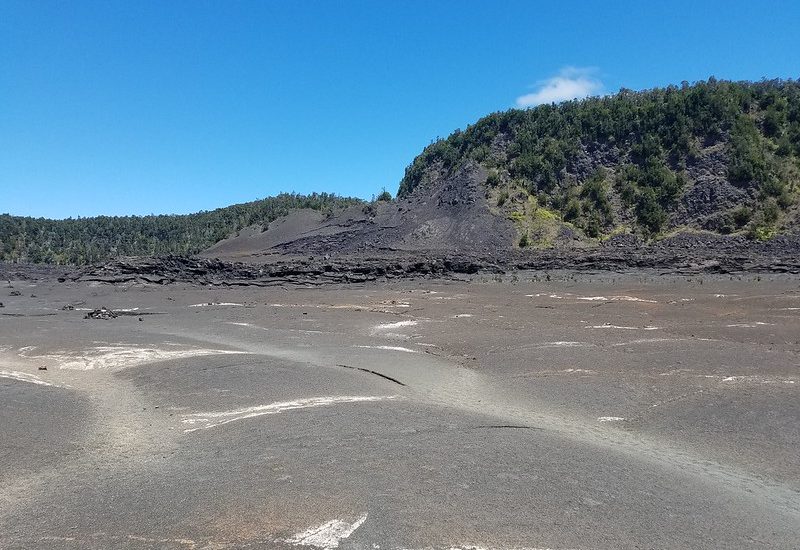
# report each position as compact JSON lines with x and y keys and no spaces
{"x":569,"y":83}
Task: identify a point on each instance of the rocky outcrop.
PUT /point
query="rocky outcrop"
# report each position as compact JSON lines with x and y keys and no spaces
{"x":684,"y":254}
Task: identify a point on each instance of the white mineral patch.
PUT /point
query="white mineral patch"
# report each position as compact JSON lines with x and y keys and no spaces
{"x":23,"y":377}
{"x":592,"y":298}
{"x":207,"y":304}
{"x":566,"y":371}
{"x":328,"y":535}
{"x":391,"y":326}
{"x":453,"y":297}
{"x":758,"y":379}
{"x":619,"y":327}
{"x":462,"y":315}
{"x":390,"y":348}
{"x":632,"y":299}
{"x":205,"y":420}
{"x":648,"y":341}
{"x":562,"y":344}
{"x":610,"y":419}
{"x":749,"y":325}
{"x":120,"y":356}
{"x":385,"y":329}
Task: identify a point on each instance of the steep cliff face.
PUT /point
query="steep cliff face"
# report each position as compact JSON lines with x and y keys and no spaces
{"x":717,"y":156}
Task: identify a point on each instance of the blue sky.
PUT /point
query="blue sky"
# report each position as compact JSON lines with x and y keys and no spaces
{"x":141,"y":107}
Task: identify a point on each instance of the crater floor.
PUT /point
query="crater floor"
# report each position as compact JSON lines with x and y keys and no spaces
{"x":592,"y":413}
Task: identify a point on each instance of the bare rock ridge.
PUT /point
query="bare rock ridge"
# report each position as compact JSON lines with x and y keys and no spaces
{"x":682,"y":255}
{"x":450,"y":217}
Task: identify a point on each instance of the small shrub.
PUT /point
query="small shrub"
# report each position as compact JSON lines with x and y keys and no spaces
{"x":593,"y":226}
{"x":773,"y":121}
{"x":741,"y":216}
{"x":649,"y":211}
{"x":763,"y":226}
{"x":572,"y":210}
{"x":770,"y":211}
{"x":524,"y":240}
{"x":761,"y":233}
{"x":545,"y":215}
{"x":502,"y":198}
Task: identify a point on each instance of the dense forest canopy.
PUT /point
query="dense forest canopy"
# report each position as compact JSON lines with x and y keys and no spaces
{"x":655,"y":137}
{"x":89,"y":240}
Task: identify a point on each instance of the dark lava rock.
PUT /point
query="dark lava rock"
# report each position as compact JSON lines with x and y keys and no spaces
{"x":102,"y":313}
{"x":15,"y":293}
{"x":623,"y":240}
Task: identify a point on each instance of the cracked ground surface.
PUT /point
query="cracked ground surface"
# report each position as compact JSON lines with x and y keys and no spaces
{"x":625,"y":412}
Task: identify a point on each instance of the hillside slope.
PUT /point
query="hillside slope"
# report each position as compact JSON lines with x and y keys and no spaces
{"x":719,"y":156}
{"x":453,"y":215}
{"x":716,"y":157}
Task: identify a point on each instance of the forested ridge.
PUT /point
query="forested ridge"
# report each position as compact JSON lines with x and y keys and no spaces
{"x":93,"y":239}
{"x":717,"y":155}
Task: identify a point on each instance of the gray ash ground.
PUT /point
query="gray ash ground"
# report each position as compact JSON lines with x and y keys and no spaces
{"x":596,"y":410}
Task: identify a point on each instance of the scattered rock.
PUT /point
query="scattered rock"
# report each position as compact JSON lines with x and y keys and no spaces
{"x":68,"y":307}
{"x":102,"y":313}
{"x":15,"y":293}
{"x":42,"y":367}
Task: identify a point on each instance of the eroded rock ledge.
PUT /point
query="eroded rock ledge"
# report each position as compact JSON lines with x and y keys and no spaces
{"x":681,"y":255}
